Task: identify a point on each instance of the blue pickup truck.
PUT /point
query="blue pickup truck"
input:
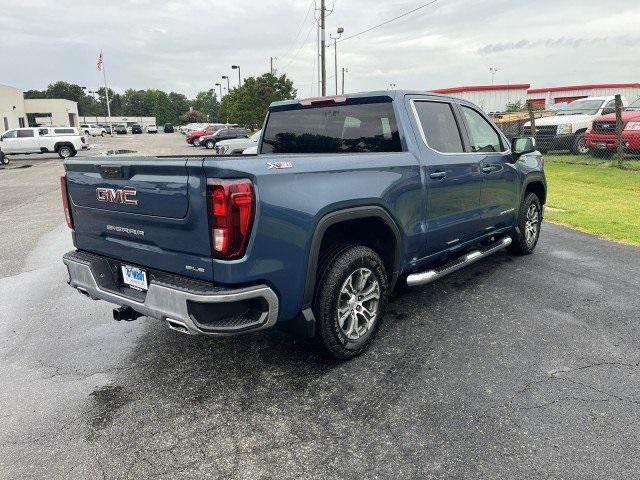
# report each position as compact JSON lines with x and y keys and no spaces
{"x":348,"y":197}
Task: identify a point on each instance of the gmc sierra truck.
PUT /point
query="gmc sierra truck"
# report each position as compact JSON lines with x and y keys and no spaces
{"x":348,"y":197}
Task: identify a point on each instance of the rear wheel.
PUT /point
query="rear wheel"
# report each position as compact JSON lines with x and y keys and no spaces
{"x":210,"y":144}
{"x":65,"y":151}
{"x":525,"y":238}
{"x":196,"y":142}
{"x":350,"y":297}
{"x":4,"y":160}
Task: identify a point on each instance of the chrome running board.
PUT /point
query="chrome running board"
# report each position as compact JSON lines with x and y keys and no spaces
{"x":422,"y":278}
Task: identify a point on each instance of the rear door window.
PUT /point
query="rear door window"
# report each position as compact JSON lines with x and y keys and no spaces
{"x":64,"y":131}
{"x":350,"y":128}
{"x":484,"y":138}
{"x":25,"y":134}
{"x":439,"y":127}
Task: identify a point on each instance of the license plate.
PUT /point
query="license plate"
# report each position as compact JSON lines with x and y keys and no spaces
{"x":601,"y":146}
{"x":134,"y":277}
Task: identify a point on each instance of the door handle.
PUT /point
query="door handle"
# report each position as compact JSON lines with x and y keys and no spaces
{"x":488,"y":168}
{"x":438,"y":175}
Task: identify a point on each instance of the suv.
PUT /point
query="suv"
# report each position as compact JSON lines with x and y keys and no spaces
{"x":348,"y":197}
{"x":65,"y":141}
{"x":168,"y":128}
{"x":194,"y":137}
{"x":136,"y":128}
{"x":209,"y":141}
{"x":601,"y":136}
{"x":566,"y":129}
{"x":93,"y":130}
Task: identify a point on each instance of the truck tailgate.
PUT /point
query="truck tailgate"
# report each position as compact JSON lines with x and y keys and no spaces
{"x":142,"y":210}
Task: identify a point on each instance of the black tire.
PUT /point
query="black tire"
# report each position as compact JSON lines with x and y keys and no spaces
{"x":4,"y":160}
{"x":196,"y":142}
{"x":579,"y":147}
{"x":337,"y":267}
{"x":210,"y":144}
{"x":524,"y":240}
{"x":65,"y":151}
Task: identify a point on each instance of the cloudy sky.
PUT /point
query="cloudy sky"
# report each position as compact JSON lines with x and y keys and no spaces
{"x":186,"y":45}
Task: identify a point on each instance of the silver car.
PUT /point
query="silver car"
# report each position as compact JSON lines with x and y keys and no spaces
{"x":237,"y":145}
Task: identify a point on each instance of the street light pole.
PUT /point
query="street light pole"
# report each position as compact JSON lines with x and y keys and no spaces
{"x":343,"y":71}
{"x":225,"y":77}
{"x":335,"y":54}
{"x":234,"y":67}
{"x":219,"y":85}
{"x":323,"y":56}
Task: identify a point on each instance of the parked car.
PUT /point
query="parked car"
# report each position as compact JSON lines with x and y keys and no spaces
{"x":168,"y":128}
{"x":92,"y":129}
{"x":194,"y":137}
{"x":237,"y":145}
{"x":251,"y":150}
{"x":209,"y":141}
{"x":107,"y":128}
{"x":152,"y":129}
{"x":349,"y":197}
{"x":65,"y":141}
{"x":601,"y":136}
{"x":136,"y":128}
{"x":566,"y":129}
{"x":120,"y":129}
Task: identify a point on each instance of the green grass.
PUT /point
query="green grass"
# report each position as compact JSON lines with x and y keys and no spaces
{"x":631,"y":162}
{"x":594,"y":198}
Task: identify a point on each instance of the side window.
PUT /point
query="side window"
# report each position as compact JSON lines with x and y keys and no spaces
{"x":610,"y":107}
{"x":439,"y":126}
{"x":483,"y":137}
{"x":43,"y":131}
{"x":25,"y":133}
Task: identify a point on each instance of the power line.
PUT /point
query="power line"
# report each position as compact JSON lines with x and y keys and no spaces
{"x":295,"y":39}
{"x":388,"y":21}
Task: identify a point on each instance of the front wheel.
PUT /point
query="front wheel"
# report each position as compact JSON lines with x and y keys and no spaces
{"x":579,"y":147}
{"x":210,"y":144}
{"x":525,"y":238}
{"x":598,"y":153}
{"x":4,"y":160}
{"x":350,"y":297}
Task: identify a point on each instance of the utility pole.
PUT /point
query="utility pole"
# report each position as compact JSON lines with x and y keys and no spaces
{"x":273,"y":72}
{"x":323,"y":53}
{"x":619,"y":137}
{"x":343,"y":80}
{"x":493,"y":71}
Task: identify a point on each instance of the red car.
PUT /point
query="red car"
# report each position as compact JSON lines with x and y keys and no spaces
{"x":601,"y":136}
{"x":193,"y":138}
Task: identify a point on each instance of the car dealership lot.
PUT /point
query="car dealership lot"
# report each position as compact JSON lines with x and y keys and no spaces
{"x":514,"y":368}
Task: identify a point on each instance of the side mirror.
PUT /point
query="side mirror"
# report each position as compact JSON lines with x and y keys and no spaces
{"x":522,"y":145}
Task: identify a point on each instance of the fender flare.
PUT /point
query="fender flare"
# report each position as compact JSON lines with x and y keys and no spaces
{"x":533,"y":178}
{"x":339,"y":216}
{"x":63,"y":144}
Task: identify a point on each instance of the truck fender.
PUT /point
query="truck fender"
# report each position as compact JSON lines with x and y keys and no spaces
{"x":339,"y":216}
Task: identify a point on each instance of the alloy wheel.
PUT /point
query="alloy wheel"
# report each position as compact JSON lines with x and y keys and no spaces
{"x":531,"y":224}
{"x":358,"y":303}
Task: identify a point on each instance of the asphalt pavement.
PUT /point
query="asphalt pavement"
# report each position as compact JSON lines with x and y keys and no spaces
{"x":517,"y":367}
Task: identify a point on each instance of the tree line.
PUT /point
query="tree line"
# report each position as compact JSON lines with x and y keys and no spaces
{"x":245,"y":105}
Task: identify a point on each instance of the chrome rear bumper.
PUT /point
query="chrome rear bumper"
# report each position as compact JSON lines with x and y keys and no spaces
{"x":175,"y":304}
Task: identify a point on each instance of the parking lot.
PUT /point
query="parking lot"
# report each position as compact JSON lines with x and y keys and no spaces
{"x":517,"y":367}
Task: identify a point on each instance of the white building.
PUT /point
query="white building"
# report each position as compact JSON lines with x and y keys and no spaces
{"x":552,"y":95}
{"x":16,"y":112}
{"x":491,"y":98}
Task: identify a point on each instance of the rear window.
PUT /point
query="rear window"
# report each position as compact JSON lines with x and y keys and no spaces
{"x":367,"y":127}
{"x":64,"y":130}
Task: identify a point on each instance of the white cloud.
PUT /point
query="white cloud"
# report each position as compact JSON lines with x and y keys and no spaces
{"x":187,"y":45}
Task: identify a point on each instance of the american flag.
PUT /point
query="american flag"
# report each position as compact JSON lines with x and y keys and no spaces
{"x":100,"y":63}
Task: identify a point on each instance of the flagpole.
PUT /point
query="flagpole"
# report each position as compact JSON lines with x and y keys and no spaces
{"x":106,"y":93}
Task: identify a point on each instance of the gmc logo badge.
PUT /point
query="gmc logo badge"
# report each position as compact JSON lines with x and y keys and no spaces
{"x":112,"y":195}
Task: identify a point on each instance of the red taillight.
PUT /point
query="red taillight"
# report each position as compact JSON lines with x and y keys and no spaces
{"x":65,"y":201}
{"x":231,"y":205}
{"x":83,"y":139}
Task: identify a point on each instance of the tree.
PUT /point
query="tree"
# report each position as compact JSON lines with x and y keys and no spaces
{"x":207,"y":103}
{"x":248,"y":104}
{"x":193,"y":116}
{"x":516,"y":107}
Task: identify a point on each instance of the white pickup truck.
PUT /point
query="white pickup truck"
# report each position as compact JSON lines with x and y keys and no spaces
{"x":93,"y":130}
{"x":65,"y":141}
{"x":566,"y":129}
